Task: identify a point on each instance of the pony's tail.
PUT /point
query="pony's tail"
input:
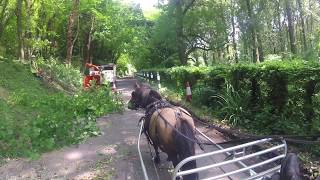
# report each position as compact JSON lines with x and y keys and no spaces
{"x":186,"y":147}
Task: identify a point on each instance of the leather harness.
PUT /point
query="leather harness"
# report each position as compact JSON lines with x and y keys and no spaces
{"x":150,"y":110}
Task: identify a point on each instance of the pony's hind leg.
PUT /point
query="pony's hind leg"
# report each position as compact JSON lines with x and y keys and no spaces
{"x":157,"y":157}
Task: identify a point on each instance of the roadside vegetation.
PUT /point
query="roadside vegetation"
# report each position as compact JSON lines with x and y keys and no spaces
{"x":36,"y":117}
{"x":44,"y":46}
{"x":280,"y":96}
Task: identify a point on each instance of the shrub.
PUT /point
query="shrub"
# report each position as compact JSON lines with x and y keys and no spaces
{"x":273,"y":97}
{"x":60,"y":120}
{"x":67,"y":76}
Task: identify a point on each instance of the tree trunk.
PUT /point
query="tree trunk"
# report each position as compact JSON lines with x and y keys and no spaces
{"x":70,"y":33}
{"x":234,"y":44}
{"x":280,"y":34}
{"x":309,"y":24}
{"x":19,"y":30}
{"x":303,"y":29}
{"x":311,"y":17}
{"x":3,"y":25}
{"x":180,"y":41}
{"x":205,"y":58}
{"x":255,"y":44}
{"x":28,"y":34}
{"x":87,"y":49}
{"x":260,"y":48}
{"x":290,"y":28}
{"x":3,"y":17}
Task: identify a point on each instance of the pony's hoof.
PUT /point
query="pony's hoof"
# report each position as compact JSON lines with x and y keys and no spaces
{"x":156,"y":159}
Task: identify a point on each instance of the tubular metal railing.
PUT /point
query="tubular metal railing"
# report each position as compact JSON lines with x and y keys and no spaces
{"x":145,"y":174}
{"x":177,"y":171}
{"x":251,"y":171}
{"x":283,"y":147}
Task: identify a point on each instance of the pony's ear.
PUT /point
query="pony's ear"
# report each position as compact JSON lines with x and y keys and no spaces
{"x":136,"y":85}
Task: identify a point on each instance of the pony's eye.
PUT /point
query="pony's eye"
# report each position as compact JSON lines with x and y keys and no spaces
{"x":133,"y":94}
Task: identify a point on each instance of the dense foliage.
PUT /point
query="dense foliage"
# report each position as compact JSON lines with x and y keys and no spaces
{"x":270,"y":98}
{"x":97,"y":31}
{"x":36,"y":119}
{"x":179,"y":32}
{"x":202,"y":32}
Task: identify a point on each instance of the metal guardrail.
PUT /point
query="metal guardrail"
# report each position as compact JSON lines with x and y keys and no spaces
{"x":145,"y":174}
{"x":178,"y":173}
{"x":251,"y":171}
{"x":283,"y":146}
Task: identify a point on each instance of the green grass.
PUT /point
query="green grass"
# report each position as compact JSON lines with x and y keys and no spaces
{"x":35,"y":118}
{"x":14,"y":118}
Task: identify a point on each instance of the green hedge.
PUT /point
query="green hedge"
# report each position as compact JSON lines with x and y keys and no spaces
{"x":272,"y":97}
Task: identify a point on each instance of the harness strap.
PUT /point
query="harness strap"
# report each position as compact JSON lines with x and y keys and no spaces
{"x":156,"y":106}
{"x":144,"y":130}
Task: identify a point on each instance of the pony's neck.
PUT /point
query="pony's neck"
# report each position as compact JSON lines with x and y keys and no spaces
{"x":153,"y":97}
{"x":150,"y":101}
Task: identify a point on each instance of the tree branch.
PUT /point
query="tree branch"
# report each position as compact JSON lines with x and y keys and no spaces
{"x":202,"y":39}
{"x":188,"y":7}
{"x":203,"y":47}
{"x":192,"y":59}
{"x":190,"y":50}
{"x":193,"y":48}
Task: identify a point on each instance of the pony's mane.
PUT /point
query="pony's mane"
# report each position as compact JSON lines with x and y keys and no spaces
{"x":142,"y":85}
{"x":155,"y":94}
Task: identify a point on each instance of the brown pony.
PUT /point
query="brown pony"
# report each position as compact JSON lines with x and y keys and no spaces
{"x":167,"y":127}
